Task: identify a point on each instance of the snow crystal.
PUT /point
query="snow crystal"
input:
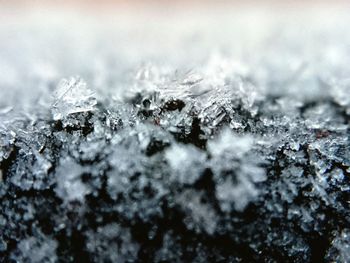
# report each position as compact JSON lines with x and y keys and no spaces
{"x":340,"y":250}
{"x":72,"y":96}
{"x":228,"y":143}
{"x":36,"y":250}
{"x":233,"y":162}
{"x":111,"y":243}
{"x":69,"y":181}
{"x":187,"y":162}
{"x":200,"y":215}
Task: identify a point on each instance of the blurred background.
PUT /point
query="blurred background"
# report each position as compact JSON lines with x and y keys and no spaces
{"x":107,"y":42}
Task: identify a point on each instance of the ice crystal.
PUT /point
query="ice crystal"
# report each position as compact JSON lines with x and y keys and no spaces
{"x":187,"y":162}
{"x":236,"y":177}
{"x":340,"y":249}
{"x":36,"y":250}
{"x":69,"y":184}
{"x":111,"y":243}
{"x":72,"y":96}
{"x":236,"y":153}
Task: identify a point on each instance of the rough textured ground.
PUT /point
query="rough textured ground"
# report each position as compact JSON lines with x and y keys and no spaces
{"x":187,"y":143}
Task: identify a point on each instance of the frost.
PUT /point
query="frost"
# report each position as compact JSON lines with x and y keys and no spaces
{"x":227,"y":192}
{"x":339,"y":91}
{"x":228,"y":143}
{"x":37,"y":177}
{"x":201,"y":143}
{"x":70,"y":186}
{"x":36,"y":250}
{"x":200,"y":215}
{"x":187,"y":162}
{"x":111,"y":243}
{"x":236,"y":169}
{"x":340,"y":249}
{"x":119,"y":179}
{"x":72,"y":96}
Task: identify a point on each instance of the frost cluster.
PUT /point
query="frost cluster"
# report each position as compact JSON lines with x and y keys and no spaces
{"x":243,"y":157}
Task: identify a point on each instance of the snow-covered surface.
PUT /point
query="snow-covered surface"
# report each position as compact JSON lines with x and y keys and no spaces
{"x":220,"y":137}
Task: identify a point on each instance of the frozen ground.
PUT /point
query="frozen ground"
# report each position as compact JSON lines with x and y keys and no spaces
{"x":211,"y":138}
